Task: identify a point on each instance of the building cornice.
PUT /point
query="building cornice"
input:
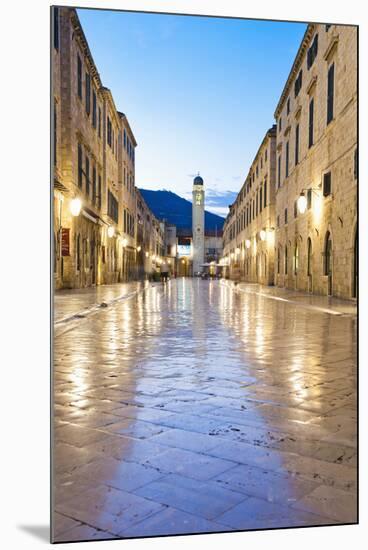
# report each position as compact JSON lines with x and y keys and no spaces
{"x":126,"y":122}
{"x":84,"y":44}
{"x":106,"y":93}
{"x":296,"y":66}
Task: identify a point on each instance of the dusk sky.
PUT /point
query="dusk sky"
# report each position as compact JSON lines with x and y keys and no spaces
{"x":199,"y":93}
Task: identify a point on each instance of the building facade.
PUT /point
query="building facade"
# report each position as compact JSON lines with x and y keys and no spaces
{"x":96,"y":237}
{"x":317,"y":166}
{"x":249,"y":229}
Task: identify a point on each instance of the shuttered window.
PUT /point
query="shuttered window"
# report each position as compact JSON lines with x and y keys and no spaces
{"x":112,"y":207}
{"x":309,"y":198}
{"x":94,"y":109}
{"x":311,"y":122}
{"x":87,"y":175}
{"x":94,"y":183}
{"x":327,"y":184}
{"x":312,"y":52}
{"x":296,"y":144}
{"x":265,"y":194}
{"x":99,"y":198}
{"x":330,"y":93}
{"x":298,"y":83}
{"x":79,"y":76}
{"x":88,"y":93}
{"x":80,"y":166}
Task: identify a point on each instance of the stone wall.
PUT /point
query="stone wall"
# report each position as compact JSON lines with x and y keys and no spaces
{"x":333,"y":151}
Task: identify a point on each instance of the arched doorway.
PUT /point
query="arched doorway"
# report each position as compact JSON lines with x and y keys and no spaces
{"x":309,"y":265}
{"x":296,"y":259}
{"x":355,"y":266}
{"x":286,"y":261}
{"x":328,"y":262}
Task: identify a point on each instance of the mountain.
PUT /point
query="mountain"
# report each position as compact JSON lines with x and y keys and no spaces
{"x":178,"y":211}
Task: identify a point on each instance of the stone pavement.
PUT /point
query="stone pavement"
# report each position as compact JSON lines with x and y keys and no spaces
{"x":197,"y":406}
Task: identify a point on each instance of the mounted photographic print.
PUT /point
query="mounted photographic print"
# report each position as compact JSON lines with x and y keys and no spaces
{"x":205,"y":274}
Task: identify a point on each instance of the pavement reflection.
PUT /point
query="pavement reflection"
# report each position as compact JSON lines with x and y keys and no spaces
{"x":195,"y":407}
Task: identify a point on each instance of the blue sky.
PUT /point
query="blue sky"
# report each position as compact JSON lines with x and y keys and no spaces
{"x":199,"y":92}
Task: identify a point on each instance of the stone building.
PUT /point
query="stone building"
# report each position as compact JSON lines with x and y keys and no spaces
{"x":128,"y":201}
{"x":95,"y":198}
{"x":317,"y":165}
{"x":79,"y":186}
{"x":249,"y":228}
{"x":150,"y":239}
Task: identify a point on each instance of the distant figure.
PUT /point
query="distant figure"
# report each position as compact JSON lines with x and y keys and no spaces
{"x":164,"y":271}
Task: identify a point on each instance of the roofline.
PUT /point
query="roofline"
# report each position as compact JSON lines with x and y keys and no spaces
{"x":125,"y":119}
{"x":295,"y":66}
{"x":106,"y":92}
{"x":271,"y":132}
{"x":80,"y":33}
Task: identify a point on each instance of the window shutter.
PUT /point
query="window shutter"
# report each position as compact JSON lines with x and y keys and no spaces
{"x":296,"y":144}
{"x":311,"y":116}
{"x":327,"y":184}
{"x":330,"y":92}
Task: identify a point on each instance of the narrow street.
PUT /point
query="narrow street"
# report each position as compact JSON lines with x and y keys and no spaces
{"x":202,"y":406}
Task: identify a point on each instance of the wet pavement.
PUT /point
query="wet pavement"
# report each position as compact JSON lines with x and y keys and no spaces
{"x":198,"y":406}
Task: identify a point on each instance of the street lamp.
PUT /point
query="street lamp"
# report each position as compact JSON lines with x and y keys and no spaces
{"x":111,"y":231}
{"x":139,"y":249}
{"x":75,"y":206}
{"x":302,"y":203}
{"x":147,"y":254}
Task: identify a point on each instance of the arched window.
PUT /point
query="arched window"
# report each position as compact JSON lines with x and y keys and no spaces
{"x":286,"y":261}
{"x":309,"y":257}
{"x":328,"y":254}
{"x":296,"y":258}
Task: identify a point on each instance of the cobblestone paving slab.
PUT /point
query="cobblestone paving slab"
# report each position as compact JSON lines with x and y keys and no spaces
{"x":192,"y":407}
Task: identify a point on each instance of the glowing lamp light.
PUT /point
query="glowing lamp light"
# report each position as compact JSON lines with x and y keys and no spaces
{"x":232,"y":255}
{"x":262,"y":234}
{"x":125,"y":242}
{"x":183,"y":261}
{"x":139,"y":249}
{"x":237,"y":250}
{"x":147,"y":254}
{"x":75,"y":206}
{"x":153,"y":257}
{"x":302,"y":203}
{"x":111,"y":231}
{"x":247,"y":243}
{"x":169,"y":262}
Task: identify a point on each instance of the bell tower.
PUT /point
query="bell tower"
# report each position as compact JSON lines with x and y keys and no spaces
{"x":198,"y":224}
